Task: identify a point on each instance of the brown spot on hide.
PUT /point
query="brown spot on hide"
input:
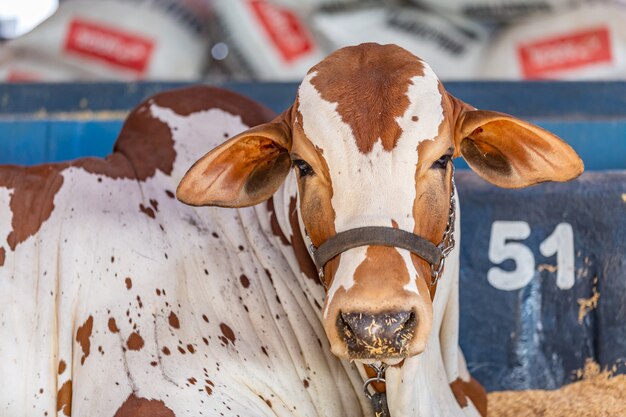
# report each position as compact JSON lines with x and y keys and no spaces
{"x":154,"y":204}
{"x":173,"y":320}
{"x":165,"y":350}
{"x":190,"y":348}
{"x":33,"y":187}
{"x":147,"y":211}
{"x":208,"y":390}
{"x":305,"y":383}
{"x":268,"y":402}
{"x":82,"y":337}
{"x":459,"y":394}
{"x":142,"y":407}
{"x":64,"y":398}
{"x":414,"y":118}
{"x":274,"y":222}
{"x":245,"y":282}
{"x":62,"y":367}
{"x":186,"y":101}
{"x":192,"y":381}
{"x":170,"y":194}
{"x":134,"y":342}
{"x":2,"y":256}
{"x":369,"y":83}
{"x":264,"y":351}
{"x":228,"y":333}
{"x":129,"y":283}
{"x":472,"y":390}
{"x":113,"y":325}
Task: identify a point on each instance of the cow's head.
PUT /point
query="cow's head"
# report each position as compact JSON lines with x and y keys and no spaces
{"x":371,"y":135}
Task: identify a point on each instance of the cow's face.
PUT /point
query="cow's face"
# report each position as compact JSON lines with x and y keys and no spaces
{"x":371,"y":145}
{"x":371,"y":135}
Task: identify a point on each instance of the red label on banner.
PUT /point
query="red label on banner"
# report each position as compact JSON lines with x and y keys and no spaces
{"x":565,"y":52}
{"x":111,"y":45}
{"x":284,"y":29}
{"x":18,"y":76}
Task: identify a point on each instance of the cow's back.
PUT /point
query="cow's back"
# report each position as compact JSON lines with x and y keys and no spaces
{"x":119,"y":300}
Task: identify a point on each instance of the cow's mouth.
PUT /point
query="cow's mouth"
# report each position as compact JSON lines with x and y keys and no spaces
{"x":377,"y":337}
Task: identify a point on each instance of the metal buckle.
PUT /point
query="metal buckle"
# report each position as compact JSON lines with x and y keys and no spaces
{"x":380,"y":377}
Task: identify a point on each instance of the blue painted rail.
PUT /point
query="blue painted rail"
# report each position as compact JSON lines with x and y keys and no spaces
{"x":528,"y":319}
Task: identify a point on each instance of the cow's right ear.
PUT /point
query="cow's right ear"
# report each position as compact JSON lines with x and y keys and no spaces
{"x":509,"y":152}
{"x":243,"y":171}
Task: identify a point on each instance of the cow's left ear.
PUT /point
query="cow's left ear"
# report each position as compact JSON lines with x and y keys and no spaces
{"x":243,"y":171}
{"x":512,"y":153}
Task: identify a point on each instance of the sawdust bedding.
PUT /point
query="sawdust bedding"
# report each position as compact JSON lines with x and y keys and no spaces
{"x":598,"y":394}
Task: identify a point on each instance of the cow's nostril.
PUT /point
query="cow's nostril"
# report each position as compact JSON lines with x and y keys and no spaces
{"x":377,"y":335}
{"x":343,"y":325}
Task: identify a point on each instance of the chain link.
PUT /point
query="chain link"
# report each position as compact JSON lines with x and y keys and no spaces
{"x":380,"y":377}
{"x":447,"y":242}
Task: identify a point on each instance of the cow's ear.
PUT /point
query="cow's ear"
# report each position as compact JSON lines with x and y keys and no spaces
{"x":243,"y":171}
{"x":512,"y":153}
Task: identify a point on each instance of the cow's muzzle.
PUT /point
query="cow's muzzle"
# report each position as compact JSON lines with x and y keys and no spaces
{"x":377,"y":336}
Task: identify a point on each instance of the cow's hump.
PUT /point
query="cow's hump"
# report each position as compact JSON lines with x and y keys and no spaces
{"x":144,"y":146}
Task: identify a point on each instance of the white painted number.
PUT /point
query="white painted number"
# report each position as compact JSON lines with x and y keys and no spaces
{"x":560,"y":242}
{"x":500,"y":250}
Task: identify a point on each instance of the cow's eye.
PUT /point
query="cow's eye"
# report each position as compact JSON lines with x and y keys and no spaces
{"x":304,"y":168}
{"x":442,"y":162}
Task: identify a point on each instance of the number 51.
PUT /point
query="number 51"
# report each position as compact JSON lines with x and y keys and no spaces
{"x":560,"y":242}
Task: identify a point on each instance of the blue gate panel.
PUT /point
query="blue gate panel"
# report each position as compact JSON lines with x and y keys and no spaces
{"x":536,"y":334}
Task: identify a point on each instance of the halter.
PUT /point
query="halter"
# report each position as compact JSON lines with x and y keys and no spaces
{"x":435,"y":255}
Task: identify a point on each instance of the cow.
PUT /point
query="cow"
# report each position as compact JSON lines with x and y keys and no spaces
{"x":118,"y":300}
{"x":371,"y":136}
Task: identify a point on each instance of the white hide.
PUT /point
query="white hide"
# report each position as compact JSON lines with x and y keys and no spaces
{"x":389,"y":175}
{"x":76,"y":267}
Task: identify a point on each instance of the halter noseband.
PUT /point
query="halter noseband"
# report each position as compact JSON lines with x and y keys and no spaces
{"x":435,"y":255}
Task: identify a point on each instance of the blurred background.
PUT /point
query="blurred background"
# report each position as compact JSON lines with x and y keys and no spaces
{"x":279,"y":40}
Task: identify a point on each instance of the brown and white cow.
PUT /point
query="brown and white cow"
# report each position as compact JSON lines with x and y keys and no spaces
{"x":116,"y":300}
{"x":371,"y":134}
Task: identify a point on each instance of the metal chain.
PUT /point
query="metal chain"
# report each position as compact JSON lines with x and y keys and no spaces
{"x":447,"y":242}
{"x":379,"y":399}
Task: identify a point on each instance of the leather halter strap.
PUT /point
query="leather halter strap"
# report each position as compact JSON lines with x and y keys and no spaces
{"x":379,"y":236}
{"x":435,"y":255}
